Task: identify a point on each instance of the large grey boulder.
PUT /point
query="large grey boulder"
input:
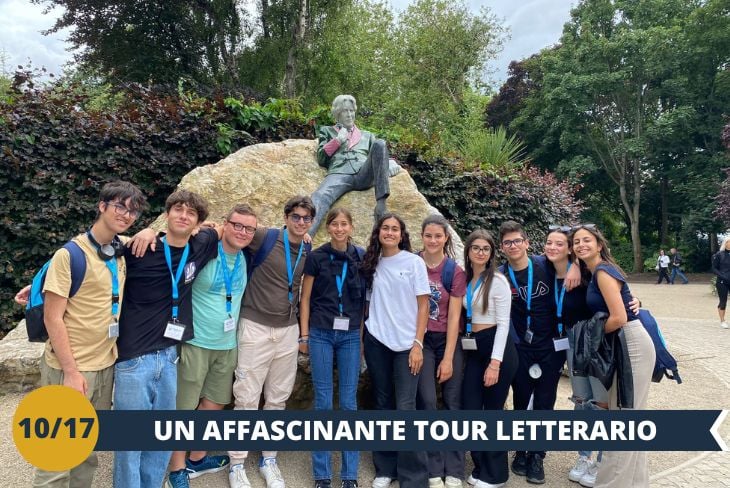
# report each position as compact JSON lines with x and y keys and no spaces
{"x":19,"y":360}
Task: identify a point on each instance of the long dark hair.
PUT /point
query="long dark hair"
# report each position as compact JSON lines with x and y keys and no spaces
{"x":605,"y":250}
{"x":441,"y":221}
{"x":372,"y":253}
{"x":489,"y":270}
{"x":585,"y":274}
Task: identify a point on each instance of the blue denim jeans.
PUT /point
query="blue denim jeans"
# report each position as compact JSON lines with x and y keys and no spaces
{"x":394,"y":388}
{"x":676,"y":271}
{"x":147,"y":382}
{"x":587,"y":390}
{"x":325,"y":347}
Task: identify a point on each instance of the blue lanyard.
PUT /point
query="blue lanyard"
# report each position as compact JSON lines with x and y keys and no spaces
{"x":228,"y":277}
{"x":176,"y":277}
{"x":112,"y":265}
{"x":559,"y":302}
{"x":340,"y":279}
{"x":289,"y":269}
{"x":469,"y":296}
{"x":528,"y":298}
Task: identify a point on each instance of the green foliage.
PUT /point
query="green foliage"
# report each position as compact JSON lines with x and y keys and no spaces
{"x":472,"y":199}
{"x":492,"y":150}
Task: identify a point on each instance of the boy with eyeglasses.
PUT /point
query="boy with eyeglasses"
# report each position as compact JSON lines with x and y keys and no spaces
{"x":82,"y":327}
{"x":534,"y":330}
{"x":268,"y":340}
{"x":208,"y":360}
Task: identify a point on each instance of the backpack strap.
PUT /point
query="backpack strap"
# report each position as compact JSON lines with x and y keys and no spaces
{"x":447,"y":274}
{"x":78,"y":266}
{"x":265,"y":249}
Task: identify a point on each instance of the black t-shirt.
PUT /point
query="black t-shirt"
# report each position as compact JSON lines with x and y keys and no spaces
{"x":542,"y":306}
{"x":325,"y":264}
{"x":147,"y":304}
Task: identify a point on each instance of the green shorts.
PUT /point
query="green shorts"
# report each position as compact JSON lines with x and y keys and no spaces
{"x":204,"y":373}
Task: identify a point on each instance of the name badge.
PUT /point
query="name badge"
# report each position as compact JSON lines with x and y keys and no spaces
{"x":529,"y":335}
{"x":468,"y":343}
{"x":174,"y":330}
{"x":113,"y":330}
{"x":341,"y":323}
{"x":561,"y":344}
{"x":229,"y":324}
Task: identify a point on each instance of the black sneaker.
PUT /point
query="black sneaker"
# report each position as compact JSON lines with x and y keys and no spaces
{"x":519,"y":463}
{"x":349,"y":483}
{"x":535,"y":471}
{"x":322,"y":484}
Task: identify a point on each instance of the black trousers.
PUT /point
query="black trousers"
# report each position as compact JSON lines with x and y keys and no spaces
{"x":489,"y":466}
{"x":544,"y":389}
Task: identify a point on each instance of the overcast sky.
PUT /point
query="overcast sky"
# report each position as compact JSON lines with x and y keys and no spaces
{"x":533,"y":24}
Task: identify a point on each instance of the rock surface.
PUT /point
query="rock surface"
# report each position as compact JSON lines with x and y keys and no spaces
{"x":19,"y":361}
{"x":266,"y":175}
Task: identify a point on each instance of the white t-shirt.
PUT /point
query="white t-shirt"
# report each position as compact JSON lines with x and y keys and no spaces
{"x":397,"y":283}
{"x":663,"y":261}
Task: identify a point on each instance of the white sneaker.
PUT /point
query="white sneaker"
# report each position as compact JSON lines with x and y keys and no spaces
{"x":580,"y":468}
{"x":237,"y":477}
{"x":724,"y":325}
{"x":382,"y":482}
{"x":471,"y":480}
{"x":453,"y":482}
{"x":270,"y":471}
{"x":435,"y":483}
{"x":589,"y":479}
{"x":484,"y":484}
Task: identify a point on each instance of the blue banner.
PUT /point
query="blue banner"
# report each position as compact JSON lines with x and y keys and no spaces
{"x":289,"y":430}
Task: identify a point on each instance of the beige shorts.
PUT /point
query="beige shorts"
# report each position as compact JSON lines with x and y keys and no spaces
{"x":204,"y":373}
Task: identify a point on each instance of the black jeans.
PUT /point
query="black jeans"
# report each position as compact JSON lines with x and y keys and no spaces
{"x":489,"y":466}
{"x":544,"y":389}
{"x":394,"y":388}
{"x":663,"y":274}
{"x":441,"y":463}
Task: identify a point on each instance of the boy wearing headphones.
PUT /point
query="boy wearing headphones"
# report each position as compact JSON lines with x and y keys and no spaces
{"x":83,"y":328}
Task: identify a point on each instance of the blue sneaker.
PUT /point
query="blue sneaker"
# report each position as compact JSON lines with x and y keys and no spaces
{"x":178,"y":479}
{"x":208,"y":464}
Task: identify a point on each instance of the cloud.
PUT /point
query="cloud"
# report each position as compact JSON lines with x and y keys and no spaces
{"x":21,"y":24}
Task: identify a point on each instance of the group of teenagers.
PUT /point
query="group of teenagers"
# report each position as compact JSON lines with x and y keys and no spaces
{"x":202,"y":316}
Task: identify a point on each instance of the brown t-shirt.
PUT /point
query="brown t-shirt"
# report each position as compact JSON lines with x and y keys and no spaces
{"x":266,"y":300}
{"x":89,"y":312}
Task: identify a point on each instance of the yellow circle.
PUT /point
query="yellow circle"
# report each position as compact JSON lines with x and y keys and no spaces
{"x":55,"y":428}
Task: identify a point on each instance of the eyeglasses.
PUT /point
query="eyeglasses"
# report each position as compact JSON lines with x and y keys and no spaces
{"x":247,"y":229}
{"x":513,"y":242}
{"x":565,"y":229}
{"x":120,"y":209}
{"x":480,"y":250}
{"x":296,"y":218}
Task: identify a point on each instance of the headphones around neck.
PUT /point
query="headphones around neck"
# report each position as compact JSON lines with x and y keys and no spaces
{"x":107,"y":251}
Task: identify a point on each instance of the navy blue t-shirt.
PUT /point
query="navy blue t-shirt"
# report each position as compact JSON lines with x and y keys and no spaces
{"x":575,"y":307}
{"x":594,"y":298}
{"x":325,"y":264}
{"x":542,"y":307}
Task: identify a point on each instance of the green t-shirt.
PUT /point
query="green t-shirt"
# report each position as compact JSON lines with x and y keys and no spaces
{"x":209,"y":303}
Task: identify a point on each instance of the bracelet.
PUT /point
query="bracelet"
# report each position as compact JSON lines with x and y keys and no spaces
{"x":302,"y":340}
{"x":492,"y":368}
{"x":420,"y":344}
